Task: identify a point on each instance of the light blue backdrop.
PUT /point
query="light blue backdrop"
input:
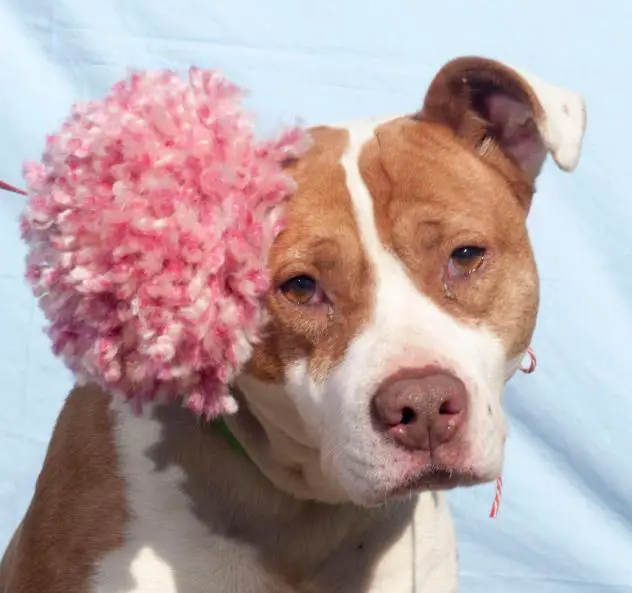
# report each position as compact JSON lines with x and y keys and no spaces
{"x":566,"y":520}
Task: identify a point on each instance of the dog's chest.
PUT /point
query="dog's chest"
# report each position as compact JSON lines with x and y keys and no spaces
{"x":256,"y":540}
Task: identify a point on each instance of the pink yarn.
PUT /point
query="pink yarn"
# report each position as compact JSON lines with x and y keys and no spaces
{"x":149,"y":222}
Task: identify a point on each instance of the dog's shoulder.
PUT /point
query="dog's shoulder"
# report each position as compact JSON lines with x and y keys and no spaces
{"x":162,"y":502}
{"x":79,"y":494}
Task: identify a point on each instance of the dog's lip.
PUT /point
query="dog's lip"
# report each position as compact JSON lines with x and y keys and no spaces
{"x":428,"y":479}
{"x":436,"y":478}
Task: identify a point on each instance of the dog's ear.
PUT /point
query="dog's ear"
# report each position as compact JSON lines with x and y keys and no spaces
{"x":494,"y":107}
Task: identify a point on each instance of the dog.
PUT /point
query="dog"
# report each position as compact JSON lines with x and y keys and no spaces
{"x":404,"y":296}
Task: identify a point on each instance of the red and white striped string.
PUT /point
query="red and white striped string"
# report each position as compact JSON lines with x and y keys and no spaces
{"x":533,"y":361}
{"x":497,"y":498}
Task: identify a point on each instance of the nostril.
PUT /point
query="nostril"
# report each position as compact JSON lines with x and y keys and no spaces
{"x":408,"y":416}
{"x":450,"y":407}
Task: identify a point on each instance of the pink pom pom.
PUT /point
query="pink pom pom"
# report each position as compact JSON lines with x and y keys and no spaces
{"x":149,"y":222}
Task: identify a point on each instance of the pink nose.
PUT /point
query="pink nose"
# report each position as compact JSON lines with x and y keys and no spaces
{"x":423,"y":411}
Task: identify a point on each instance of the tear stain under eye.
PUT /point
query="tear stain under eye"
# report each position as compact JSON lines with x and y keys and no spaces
{"x":447,"y":291}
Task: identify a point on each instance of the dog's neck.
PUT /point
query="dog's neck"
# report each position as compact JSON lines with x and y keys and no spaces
{"x":275,"y":438}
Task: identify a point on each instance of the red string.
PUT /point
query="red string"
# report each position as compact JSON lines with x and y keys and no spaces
{"x":497,"y":498}
{"x":11,"y":188}
{"x":533,"y":363}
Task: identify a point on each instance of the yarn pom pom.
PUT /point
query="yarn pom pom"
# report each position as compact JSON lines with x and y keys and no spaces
{"x":148,"y":222}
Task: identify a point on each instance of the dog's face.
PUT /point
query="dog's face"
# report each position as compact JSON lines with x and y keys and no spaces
{"x":404,"y":289}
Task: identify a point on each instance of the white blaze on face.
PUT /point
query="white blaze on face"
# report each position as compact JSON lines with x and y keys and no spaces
{"x":406,"y":330}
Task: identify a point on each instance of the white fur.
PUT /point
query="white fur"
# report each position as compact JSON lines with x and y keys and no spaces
{"x":286,"y":445}
{"x":406,"y":330}
{"x":564,"y":123}
{"x":168,"y":549}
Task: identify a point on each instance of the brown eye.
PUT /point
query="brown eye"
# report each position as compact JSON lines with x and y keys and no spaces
{"x":302,"y":290}
{"x":466,"y":260}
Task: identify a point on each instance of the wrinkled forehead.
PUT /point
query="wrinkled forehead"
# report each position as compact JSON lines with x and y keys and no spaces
{"x":382,"y":175}
{"x":321,"y":217}
{"x":321,"y":201}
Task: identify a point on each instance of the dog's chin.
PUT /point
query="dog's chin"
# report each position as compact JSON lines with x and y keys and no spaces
{"x":430,"y":479}
{"x":392,"y":472}
{"x":434,"y":479}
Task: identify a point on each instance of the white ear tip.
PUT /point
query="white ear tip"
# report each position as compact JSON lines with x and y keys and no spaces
{"x":562,"y":123}
{"x":566,"y":131}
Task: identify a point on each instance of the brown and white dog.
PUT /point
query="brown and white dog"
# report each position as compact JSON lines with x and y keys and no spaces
{"x":404,"y":296}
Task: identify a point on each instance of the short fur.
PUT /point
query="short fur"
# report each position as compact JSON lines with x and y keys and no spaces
{"x":325,"y":502}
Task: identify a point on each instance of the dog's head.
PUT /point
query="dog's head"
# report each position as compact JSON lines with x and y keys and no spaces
{"x":405,"y":290}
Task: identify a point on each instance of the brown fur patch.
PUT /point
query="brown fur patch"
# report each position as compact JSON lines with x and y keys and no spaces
{"x":78,"y":510}
{"x":321,"y":240}
{"x":433,"y":194}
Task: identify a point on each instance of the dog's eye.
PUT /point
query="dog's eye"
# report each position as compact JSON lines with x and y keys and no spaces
{"x":466,"y":260}
{"x":302,"y":290}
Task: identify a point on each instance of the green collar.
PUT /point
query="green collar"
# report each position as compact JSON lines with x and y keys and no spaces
{"x":223,"y":429}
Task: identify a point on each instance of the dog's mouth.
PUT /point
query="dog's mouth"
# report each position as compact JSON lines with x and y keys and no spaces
{"x":436,"y":478}
{"x":429,"y":479}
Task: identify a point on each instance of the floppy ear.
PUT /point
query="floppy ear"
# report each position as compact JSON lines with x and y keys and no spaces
{"x":495,"y":107}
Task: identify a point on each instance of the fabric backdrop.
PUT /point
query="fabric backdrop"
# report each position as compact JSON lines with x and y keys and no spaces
{"x":566,"y":520}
